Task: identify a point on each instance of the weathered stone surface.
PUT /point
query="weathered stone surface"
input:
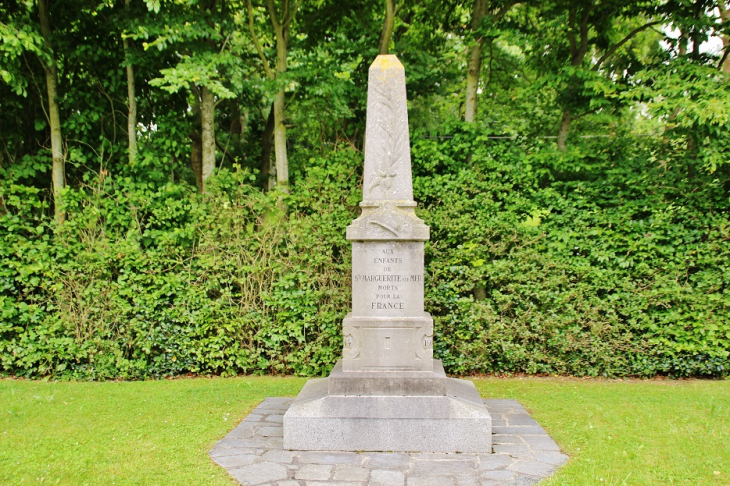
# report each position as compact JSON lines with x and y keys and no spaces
{"x":351,"y":473}
{"x":315,"y":457}
{"x":550,"y":457}
{"x":495,"y":461}
{"x":457,"y":422}
{"x":507,"y":439}
{"x":541,"y":442}
{"x":452,"y":467}
{"x":533,"y":468}
{"x":468,"y":481}
{"x":432,"y":481}
{"x":508,"y":430}
{"x":351,"y":468}
{"x":390,"y":460}
{"x":521,"y":419}
{"x":331,"y":483}
{"x":259,"y":473}
{"x":387,"y":175}
{"x":313,"y":471}
{"x":280,"y":456}
{"x":498,"y":475}
{"x":270,"y":431}
{"x":386,"y":394}
{"x":421,"y":383}
{"x":238,"y":460}
{"x":288,"y":482}
{"x":521,"y":480}
{"x":386,"y":477}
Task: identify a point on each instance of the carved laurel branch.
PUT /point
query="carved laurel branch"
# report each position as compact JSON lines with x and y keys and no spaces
{"x":392,"y":150}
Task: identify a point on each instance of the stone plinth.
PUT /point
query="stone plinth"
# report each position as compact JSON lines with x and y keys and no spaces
{"x":456,"y":422}
{"x":408,"y":383}
{"x":387,"y":393}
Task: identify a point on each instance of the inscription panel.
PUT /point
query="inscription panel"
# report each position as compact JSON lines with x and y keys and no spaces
{"x":387,"y":348}
{"x":387,"y":278}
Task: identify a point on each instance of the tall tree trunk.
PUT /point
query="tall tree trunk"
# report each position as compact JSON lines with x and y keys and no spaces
{"x":196,"y":149}
{"x":207,"y":117}
{"x":267,"y":180}
{"x":282,"y":25}
{"x":51,"y":71}
{"x":196,"y":158}
{"x":131,"y":97}
{"x":475,"y":62}
{"x":725,"y":17}
{"x":564,"y":130}
{"x":282,"y":159}
{"x":388,"y":24}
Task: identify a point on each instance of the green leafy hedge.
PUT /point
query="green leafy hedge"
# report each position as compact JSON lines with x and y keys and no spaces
{"x":601,"y":261}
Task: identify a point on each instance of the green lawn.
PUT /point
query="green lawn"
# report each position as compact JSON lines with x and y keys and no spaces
{"x":158,"y":432}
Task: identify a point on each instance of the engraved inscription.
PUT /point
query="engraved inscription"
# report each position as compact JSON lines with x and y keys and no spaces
{"x":386,"y":279}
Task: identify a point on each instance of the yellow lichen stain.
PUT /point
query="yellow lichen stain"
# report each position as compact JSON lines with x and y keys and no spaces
{"x":386,"y":62}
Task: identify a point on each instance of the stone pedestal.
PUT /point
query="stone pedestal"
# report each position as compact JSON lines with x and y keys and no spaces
{"x":387,"y":393}
{"x":455,"y":422}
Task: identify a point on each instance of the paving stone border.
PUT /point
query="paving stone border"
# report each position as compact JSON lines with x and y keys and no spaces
{"x":523,"y":454}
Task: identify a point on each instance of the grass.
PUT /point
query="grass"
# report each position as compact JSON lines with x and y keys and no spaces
{"x":630,"y":432}
{"x":159,"y":432}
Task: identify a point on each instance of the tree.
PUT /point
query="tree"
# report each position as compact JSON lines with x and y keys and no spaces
{"x":131,"y":95}
{"x":210,"y":68}
{"x":281,"y":23}
{"x":725,"y":20}
{"x":483,"y":9}
{"x":581,"y":36}
{"x":54,"y":119}
{"x":388,"y":25}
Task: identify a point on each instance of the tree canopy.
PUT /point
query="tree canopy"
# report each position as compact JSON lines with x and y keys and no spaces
{"x":176,"y":176}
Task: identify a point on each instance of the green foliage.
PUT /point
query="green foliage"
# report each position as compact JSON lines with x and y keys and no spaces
{"x":594,"y":262}
{"x":607,"y":258}
{"x":613,"y":268}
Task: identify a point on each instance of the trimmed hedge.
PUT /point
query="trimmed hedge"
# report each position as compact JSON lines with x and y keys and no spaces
{"x":600,"y":261}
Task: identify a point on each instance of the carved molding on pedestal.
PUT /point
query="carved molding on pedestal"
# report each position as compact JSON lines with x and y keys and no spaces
{"x":391,"y":220}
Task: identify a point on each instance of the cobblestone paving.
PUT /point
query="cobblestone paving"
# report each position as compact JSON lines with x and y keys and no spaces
{"x":523,"y":454}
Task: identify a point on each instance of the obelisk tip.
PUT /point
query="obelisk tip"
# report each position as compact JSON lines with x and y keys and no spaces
{"x":386,"y":62}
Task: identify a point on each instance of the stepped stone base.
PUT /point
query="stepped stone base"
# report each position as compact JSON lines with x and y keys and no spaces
{"x":390,"y":383}
{"x":456,"y":422}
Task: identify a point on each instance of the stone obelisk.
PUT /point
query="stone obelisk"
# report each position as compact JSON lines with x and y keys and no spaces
{"x":387,"y":393}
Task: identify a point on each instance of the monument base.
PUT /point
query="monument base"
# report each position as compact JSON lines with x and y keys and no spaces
{"x":456,"y":422}
{"x":390,"y":383}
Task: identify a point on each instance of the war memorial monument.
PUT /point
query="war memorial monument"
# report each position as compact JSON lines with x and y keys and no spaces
{"x":387,"y":393}
{"x":388,"y":414}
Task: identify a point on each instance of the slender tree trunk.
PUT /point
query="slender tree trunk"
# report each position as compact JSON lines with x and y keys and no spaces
{"x":725,"y":17}
{"x":564,"y":130}
{"x":472,"y":82}
{"x":196,"y":148}
{"x":131,"y":97}
{"x":207,"y":117}
{"x":196,"y":158}
{"x":475,"y":62}
{"x":281,"y":26}
{"x":388,"y":24}
{"x":267,"y":180}
{"x":51,"y":71}
{"x":282,"y":160}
